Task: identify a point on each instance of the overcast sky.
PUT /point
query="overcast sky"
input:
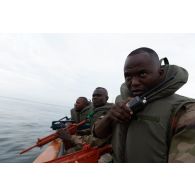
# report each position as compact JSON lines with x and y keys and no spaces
{"x":57,"y":68}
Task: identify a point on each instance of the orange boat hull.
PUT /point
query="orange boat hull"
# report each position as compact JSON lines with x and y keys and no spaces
{"x":50,"y":153}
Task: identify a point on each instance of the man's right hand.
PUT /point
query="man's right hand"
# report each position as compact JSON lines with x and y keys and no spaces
{"x":66,"y":138}
{"x":64,"y":135}
{"x":120,"y":113}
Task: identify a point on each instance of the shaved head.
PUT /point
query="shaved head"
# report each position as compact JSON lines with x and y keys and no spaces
{"x":142,"y":70}
{"x":99,"y":97}
{"x":149,"y":51}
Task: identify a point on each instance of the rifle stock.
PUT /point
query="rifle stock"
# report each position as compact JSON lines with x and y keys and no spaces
{"x":45,"y":140}
{"x":87,"y":155}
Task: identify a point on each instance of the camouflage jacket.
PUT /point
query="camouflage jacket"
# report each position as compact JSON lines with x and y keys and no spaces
{"x":182,"y":148}
{"x":94,"y":115}
{"x":99,"y":112}
{"x":170,"y":138}
{"x":82,"y":115}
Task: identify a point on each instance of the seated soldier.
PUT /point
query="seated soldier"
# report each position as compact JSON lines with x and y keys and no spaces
{"x":99,"y":108}
{"x":159,"y":125}
{"x":81,"y":109}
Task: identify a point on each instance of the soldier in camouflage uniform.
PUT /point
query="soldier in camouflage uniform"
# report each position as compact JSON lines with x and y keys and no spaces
{"x":82,"y":108}
{"x":163,"y":130}
{"x":99,"y":108}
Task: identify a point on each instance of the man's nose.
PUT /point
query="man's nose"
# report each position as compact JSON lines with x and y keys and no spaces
{"x":135,"y":81}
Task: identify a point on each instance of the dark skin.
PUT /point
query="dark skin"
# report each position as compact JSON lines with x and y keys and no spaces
{"x":142,"y":72}
{"x":80,"y":104}
{"x":99,"y":98}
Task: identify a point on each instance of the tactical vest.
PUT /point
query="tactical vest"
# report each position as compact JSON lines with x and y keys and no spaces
{"x":80,"y":116}
{"x":100,"y":111}
{"x":148,"y":135}
{"x":83,"y":114}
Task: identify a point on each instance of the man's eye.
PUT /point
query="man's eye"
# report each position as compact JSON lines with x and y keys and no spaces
{"x":143,"y":74}
{"x":128,"y":78}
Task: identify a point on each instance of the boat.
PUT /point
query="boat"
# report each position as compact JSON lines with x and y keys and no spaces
{"x":54,"y":153}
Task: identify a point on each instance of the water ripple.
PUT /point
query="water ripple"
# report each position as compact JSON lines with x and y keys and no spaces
{"x":21,"y":125}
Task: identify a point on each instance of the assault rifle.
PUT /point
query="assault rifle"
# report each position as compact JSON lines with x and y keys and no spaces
{"x":71,"y":129}
{"x":61,"y":123}
{"x":87,"y":154}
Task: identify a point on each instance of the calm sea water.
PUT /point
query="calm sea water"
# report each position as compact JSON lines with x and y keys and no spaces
{"x":22,"y":122}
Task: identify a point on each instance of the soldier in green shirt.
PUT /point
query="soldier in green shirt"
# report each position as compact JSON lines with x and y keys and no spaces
{"x":99,"y":109}
{"x":100,"y":104}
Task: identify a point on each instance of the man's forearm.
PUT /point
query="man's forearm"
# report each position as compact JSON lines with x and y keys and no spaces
{"x":103,"y":127}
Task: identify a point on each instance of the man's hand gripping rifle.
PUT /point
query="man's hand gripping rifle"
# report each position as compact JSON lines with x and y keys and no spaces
{"x":71,"y":129}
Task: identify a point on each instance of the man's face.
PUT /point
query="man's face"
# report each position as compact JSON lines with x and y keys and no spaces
{"x":80,"y":104}
{"x":141,"y":73}
{"x":99,"y":98}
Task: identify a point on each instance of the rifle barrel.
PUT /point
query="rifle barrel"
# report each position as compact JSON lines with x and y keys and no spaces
{"x":30,"y":148}
{"x":51,"y":137}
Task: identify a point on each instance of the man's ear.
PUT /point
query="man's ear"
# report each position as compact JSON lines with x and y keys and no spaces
{"x":161,"y":73}
{"x":107,"y":98}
